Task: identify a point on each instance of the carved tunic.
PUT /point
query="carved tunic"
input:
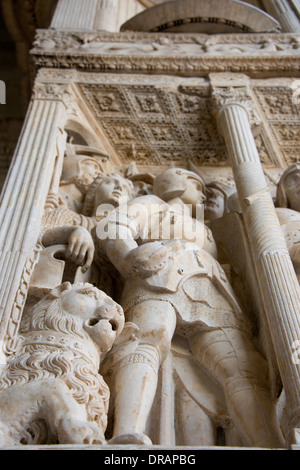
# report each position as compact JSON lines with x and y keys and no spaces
{"x":191,"y":280}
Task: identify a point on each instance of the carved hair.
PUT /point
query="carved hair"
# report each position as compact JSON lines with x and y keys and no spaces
{"x":89,"y":203}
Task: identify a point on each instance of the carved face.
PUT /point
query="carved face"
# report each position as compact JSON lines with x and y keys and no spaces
{"x":194,"y":192}
{"x":177,"y":182}
{"x":80,"y":169}
{"x":103,"y":319}
{"x":215,"y":204}
{"x":113,"y":190}
{"x":292,"y":189}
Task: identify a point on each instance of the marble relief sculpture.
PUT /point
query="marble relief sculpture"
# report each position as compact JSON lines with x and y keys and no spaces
{"x":51,"y":390}
{"x":77,"y":170}
{"x":177,"y":285}
{"x":162,"y":263}
{"x":148,"y":290}
{"x":77,"y":231}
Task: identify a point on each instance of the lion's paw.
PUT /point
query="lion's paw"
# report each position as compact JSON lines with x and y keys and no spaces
{"x":75,"y":431}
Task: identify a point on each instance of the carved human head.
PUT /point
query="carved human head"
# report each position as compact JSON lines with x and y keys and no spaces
{"x":108,"y":189}
{"x":221,"y":199}
{"x":81,"y":165}
{"x":288,"y":189}
{"x":178,"y":182}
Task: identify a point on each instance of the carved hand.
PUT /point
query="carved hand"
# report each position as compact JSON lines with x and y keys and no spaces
{"x":81,"y":248}
{"x":147,"y":259}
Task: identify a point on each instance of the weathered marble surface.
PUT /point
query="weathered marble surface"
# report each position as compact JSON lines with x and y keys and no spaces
{"x":147,"y":172}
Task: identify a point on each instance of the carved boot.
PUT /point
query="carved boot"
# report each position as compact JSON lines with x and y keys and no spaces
{"x":135,"y":386}
{"x":251,"y":408}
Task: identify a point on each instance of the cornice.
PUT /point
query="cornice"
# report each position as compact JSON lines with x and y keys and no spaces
{"x":188,"y":54}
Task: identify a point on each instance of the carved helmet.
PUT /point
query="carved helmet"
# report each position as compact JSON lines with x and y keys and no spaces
{"x":81,"y":159}
{"x":171,"y":183}
{"x":281,"y":197}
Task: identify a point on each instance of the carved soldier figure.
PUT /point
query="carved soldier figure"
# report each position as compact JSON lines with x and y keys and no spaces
{"x":106,"y":192}
{"x":79,"y":167}
{"x":173,"y":284}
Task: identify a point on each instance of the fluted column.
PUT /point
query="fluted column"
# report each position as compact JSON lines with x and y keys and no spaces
{"x":275,"y":273}
{"x":108,"y":13}
{"x":286,"y":13}
{"x":94,"y":15}
{"x":75,"y":15}
{"x":22,"y":203}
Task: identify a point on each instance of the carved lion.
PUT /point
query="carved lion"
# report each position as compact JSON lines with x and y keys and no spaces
{"x":50,"y":390}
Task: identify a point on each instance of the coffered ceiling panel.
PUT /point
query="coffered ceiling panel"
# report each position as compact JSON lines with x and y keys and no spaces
{"x":154,"y":125}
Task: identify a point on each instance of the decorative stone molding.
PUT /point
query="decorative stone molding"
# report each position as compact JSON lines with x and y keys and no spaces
{"x":193,"y":54}
{"x":48,"y":91}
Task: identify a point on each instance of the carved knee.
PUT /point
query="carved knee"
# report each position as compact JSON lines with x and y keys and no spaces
{"x":146,"y":354}
{"x":158,"y":340}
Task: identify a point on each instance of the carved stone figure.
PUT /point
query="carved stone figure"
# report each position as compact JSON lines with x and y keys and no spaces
{"x":174,"y":284}
{"x":288,"y":195}
{"x":107,"y":189}
{"x":50,"y":390}
{"x":76,"y":172}
{"x":220,"y":200}
{"x":105,"y":193}
{"x":80,"y":168}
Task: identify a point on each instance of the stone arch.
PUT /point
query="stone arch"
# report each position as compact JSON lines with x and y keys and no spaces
{"x":201,"y":16}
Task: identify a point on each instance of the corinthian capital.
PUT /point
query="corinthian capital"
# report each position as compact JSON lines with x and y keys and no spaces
{"x":53,"y":92}
{"x":233,"y":90}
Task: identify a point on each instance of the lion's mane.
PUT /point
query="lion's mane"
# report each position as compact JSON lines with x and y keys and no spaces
{"x":33,"y":362}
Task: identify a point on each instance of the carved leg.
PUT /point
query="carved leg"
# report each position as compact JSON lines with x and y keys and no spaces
{"x":5,"y":438}
{"x":230,"y":357}
{"x":68,"y":418}
{"x":136,"y":378}
{"x":195,"y":426}
{"x":51,"y":401}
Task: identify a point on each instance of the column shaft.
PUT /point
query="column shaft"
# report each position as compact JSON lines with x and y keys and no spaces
{"x":285,"y":13}
{"x":94,"y":15}
{"x":275,"y":272}
{"x":75,"y":15}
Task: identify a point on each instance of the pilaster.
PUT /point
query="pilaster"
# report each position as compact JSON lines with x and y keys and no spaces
{"x":22,"y":202}
{"x":75,"y":14}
